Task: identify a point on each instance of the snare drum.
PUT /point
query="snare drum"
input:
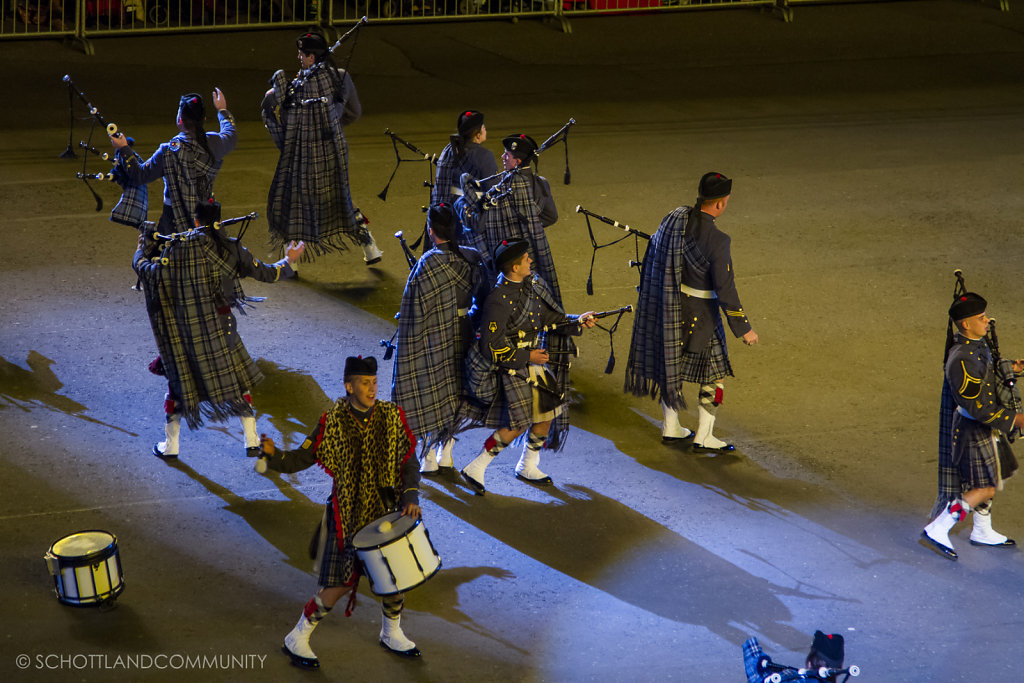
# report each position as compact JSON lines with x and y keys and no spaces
{"x":396,"y":553}
{"x":86,"y":568}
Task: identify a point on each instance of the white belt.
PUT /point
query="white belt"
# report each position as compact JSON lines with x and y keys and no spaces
{"x":699,"y":293}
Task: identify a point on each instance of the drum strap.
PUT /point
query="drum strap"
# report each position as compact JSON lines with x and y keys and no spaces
{"x":351,"y":604}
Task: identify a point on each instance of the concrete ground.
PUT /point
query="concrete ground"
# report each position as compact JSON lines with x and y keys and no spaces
{"x":874,"y":149}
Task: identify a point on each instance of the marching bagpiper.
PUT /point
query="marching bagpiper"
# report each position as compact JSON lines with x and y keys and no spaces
{"x":979,"y":450}
{"x":309,"y":197}
{"x":677,"y":332}
{"x":508,"y":386}
{"x":434,"y":332}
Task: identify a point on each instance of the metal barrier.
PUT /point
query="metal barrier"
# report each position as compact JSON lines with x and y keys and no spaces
{"x":82,"y":19}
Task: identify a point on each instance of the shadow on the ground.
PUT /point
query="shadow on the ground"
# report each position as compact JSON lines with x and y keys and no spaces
{"x":608,"y":545}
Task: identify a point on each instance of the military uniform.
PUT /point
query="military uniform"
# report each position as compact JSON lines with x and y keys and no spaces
{"x":981,"y":452}
{"x":977,"y":448}
{"x":499,"y":379}
{"x":687,"y":282}
{"x":505,"y":391}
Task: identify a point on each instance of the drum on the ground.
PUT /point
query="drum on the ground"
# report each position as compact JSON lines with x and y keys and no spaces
{"x":86,"y":568}
{"x":396,"y":553}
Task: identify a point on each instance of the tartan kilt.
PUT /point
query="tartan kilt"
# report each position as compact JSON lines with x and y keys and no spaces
{"x":981,"y":460}
{"x":496,"y":399}
{"x":338,"y":566}
{"x":711,"y":364}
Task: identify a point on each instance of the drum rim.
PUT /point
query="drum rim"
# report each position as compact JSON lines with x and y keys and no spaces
{"x":416,"y":523}
{"x":93,"y":555}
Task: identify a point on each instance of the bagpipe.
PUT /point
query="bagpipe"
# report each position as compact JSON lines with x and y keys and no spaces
{"x":431,"y":160}
{"x":555,"y":327}
{"x":478,"y":196}
{"x":637,"y":235}
{"x":410,"y":258}
{"x":561,"y":135}
{"x":1007,"y":391}
{"x":389,"y":344}
{"x":354,"y":31}
{"x":181,"y":236}
{"x":778,"y":673}
{"x":97,"y":118}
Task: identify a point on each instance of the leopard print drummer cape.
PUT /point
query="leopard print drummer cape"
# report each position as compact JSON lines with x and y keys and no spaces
{"x":365,"y":462}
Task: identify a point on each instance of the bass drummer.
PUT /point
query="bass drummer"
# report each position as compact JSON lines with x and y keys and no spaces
{"x":368,"y":449}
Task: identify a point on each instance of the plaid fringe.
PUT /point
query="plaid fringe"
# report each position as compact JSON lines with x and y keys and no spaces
{"x":309,"y":197}
{"x":432,"y":342}
{"x":656,"y":346}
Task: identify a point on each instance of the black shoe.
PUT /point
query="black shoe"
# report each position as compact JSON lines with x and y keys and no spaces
{"x":477,"y":487}
{"x":676,"y":439}
{"x":253,"y":452}
{"x":1008,"y":543}
{"x":160,"y":454}
{"x":441,"y":469}
{"x":697,"y":448}
{"x":415,"y":652}
{"x":430,"y":473}
{"x":370,"y":263}
{"x":301,"y":662}
{"x":944,"y":550}
{"x":545,"y":481}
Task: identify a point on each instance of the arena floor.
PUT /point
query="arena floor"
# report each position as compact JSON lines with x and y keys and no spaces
{"x":874,"y":149}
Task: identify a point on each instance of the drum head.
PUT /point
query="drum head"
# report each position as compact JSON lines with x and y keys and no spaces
{"x":83,"y":544}
{"x":383,"y":530}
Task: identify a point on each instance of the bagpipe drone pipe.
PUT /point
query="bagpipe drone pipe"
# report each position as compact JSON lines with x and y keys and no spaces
{"x":637,"y":235}
{"x":779,"y":673}
{"x":97,"y":118}
{"x":410,"y":258}
{"x":431,"y":161}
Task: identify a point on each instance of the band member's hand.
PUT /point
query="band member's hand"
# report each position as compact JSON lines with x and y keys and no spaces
{"x":588,"y":320}
{"x":294,"y":251}
{"x":750,"y":338}
{"x":1018,"y":365}
{"x":218,"y":100}
{"x":1018,"y":421}
{"x":266,"y":445}
{"x":538,"y":356}
{"x":411,"y":510}
{"x":118,"y":140}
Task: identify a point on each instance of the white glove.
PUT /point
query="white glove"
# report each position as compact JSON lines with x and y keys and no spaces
{"x":260,"y":465}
